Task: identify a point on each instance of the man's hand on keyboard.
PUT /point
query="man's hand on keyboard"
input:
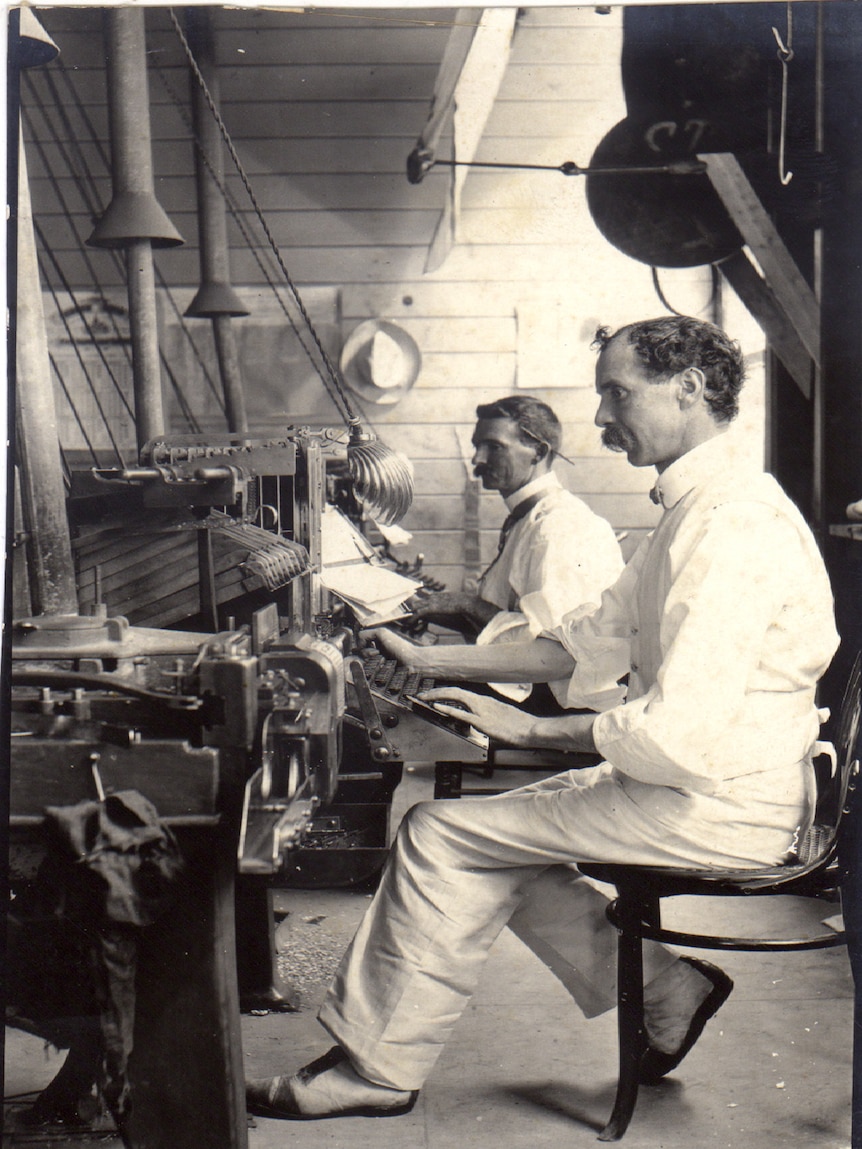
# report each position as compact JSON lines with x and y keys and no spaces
{"x":458,"y":610}
{"x":408,"y":653}
{"x":498,"y":720}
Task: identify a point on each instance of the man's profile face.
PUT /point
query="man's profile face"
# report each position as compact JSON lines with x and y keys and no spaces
{"x":638,"y":414}
{"x":501,"y":459}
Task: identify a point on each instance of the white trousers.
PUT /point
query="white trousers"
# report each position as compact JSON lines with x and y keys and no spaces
{"x":460,"y":870}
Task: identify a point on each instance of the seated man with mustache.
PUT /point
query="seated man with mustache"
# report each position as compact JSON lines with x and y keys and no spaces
{"x":554,"y":553}
{"x":721,"y":624}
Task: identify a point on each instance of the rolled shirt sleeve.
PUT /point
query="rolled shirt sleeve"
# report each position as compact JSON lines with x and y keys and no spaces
{"x":599,"y":640}
{"x":562,"y":557}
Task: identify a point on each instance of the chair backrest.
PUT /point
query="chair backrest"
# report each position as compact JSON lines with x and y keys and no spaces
{"x":833,"y":801}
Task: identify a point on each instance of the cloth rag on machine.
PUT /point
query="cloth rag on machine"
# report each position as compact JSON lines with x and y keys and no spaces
{"x":110,"y":870}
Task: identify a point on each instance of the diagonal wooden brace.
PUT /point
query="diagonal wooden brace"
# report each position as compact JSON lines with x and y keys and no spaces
{"x":780,"y":299}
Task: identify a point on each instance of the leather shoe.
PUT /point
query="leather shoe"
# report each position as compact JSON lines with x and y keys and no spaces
{"x":327,"y":1087}
{"x":655,"y":1064}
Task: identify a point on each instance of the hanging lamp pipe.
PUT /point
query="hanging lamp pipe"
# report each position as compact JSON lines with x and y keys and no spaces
{"x":134,"y":219}
{"x":216,"y":299}
{"x":134,"y":212}
{"x":50,"y":567}
{"x":143,"y":324}
{"x":231,"y":377}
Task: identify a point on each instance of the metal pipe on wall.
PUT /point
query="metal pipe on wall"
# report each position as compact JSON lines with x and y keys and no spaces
{"x":134,"y":220}
{"x":144,"y":330}
{"x":216,"y":299}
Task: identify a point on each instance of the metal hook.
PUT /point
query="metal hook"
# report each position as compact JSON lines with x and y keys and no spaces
{"x":785,"y":55}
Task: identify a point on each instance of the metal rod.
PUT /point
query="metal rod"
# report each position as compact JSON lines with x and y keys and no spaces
{"x":570,"y":168}
{"x":131,"y":151}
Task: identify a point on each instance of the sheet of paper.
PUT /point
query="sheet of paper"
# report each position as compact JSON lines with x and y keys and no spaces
{"x":371,"y":585}
{"x":341,"y":542}
{"x":353,"y":570}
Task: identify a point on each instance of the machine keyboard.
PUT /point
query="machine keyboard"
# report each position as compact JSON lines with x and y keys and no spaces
{"x":389,"y":679}
{"x":393,"y":683}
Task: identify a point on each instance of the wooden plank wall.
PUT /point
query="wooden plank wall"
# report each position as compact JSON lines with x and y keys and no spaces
{"x":324,"y":108}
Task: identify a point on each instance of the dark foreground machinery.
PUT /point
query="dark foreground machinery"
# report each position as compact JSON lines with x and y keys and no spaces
{"x":264,"y":755}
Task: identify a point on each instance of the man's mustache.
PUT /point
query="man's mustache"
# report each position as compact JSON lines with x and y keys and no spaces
{"x":617,"y":438}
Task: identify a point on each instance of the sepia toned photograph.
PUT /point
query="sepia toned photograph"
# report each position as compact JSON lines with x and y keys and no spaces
{"x":431,"y":665}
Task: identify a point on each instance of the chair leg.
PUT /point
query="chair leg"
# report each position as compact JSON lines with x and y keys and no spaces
{"x":630,"y":1022}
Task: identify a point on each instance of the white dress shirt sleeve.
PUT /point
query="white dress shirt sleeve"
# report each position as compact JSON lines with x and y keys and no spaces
{"x":562,"y":562}
{"x":723,"y":669}
{"x":599,"y":640}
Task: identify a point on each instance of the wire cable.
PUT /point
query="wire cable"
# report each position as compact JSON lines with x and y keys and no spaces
{"x":69,"y":217}
{"x":93,"y":455}
{"x":236,"y":216}
{"x":333,"y":374}
{"x":65,"y":321}
{"x":86,"y":186}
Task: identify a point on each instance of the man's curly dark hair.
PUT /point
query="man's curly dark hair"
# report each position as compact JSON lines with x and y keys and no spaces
{"x":672,"y":343}
{"x":536,"y":420}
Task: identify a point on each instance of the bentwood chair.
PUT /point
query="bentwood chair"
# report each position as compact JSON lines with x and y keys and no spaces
{"x":636,"y":911}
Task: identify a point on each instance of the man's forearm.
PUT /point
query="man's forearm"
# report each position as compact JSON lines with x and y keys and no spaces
{"x":541,"y":660}
{"x":572,"y":733}
{"x":481,"y":613}
{"x":457,"y":610}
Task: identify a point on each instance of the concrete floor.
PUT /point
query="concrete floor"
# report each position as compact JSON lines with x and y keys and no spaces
{"x":524,"y":1068}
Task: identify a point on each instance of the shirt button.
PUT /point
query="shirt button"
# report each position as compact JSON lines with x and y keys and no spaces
{"x":634,"y":630}
{"x":634,"y":667}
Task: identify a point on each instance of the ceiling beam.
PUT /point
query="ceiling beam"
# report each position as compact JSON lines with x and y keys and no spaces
{"x":470,"y":75}
{"x":780,"y":299}
{"x":761,"y":301}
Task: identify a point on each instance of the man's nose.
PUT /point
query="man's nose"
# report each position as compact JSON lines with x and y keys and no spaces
{"x":478,"y":456}
{"x":603,"y":415}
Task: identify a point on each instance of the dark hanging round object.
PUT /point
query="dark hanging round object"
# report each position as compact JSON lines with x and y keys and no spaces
{"x":660,"y":218}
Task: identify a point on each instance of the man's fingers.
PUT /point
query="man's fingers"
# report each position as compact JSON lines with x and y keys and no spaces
{"x":389,"y":639}
{"x":453,"y":711}
{"x":444,"y":693}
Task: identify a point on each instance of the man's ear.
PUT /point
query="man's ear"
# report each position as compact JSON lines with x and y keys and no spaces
{"x":692,"y":385}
